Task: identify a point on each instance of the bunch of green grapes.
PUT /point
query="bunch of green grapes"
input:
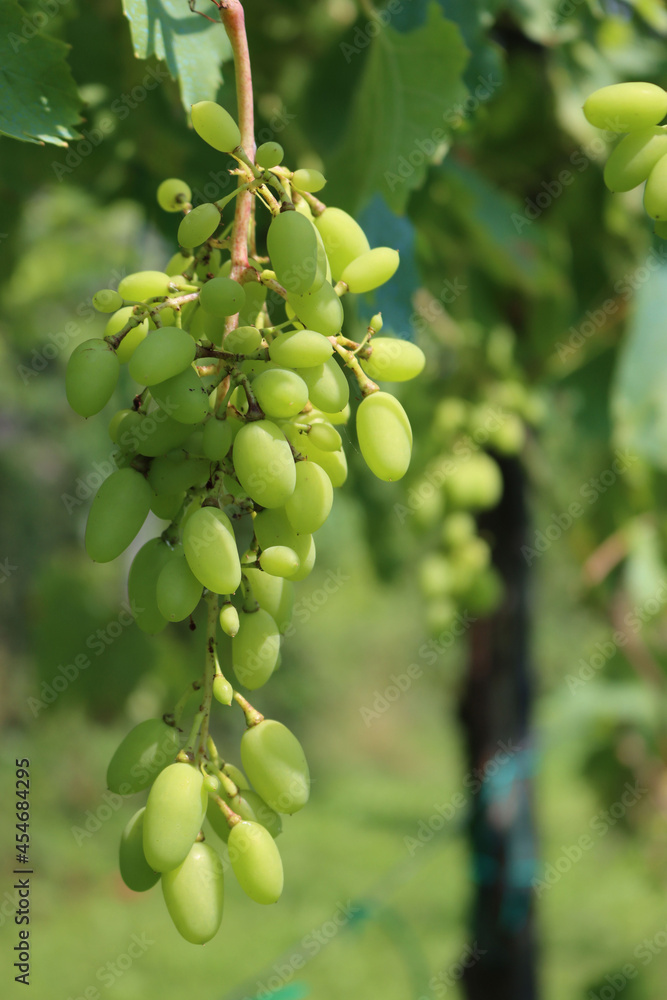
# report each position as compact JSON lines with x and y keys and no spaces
{"x":641,"y":155}
{"x":232,"y":438}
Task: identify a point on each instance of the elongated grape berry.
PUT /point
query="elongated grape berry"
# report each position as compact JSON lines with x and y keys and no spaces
{"x":135,"y":871}
{"x":141,"y":285}
{"x":385,"y":436}
{"x":344,"y":239}
{"x":255,"y":648}
{"x":256,"y":861}
{"x":264,"y":464}
{"x":229,"y":620}
{"x":393,"y":360}
{"x":107,"y":301}
{"x":117,"y":513}
{"x":194,"y":894}
{"x":142,"y":583}
{"x":655,"y":192}
{"x":280,"y":560}
{"x":178,"y":590}
{"x":624,"y":107}
{"x":276,"y":765}
{"x":175,"y":811}
{"x":635,"y":156}
{"x":280,"y":393}
{"x":164,"y":353}
{"x":300,"y":349}
{"x":371,"y":270}
{"x":292,"y":246}
{"x":91,"y":377}
{"x":172,"y":195}
{"x":143,"y":753}
{"x":308,"y":179}
{"x":269,"y":154}
{"x":310,"y":504}
{"x":215,"y":125}
{"x":210,"y":548}
{"x":198,"y":225}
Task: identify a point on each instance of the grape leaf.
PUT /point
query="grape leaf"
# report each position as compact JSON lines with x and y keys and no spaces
{"x":40,"y":102}
{"x":409,"y":89}
{"x":192,"y":47}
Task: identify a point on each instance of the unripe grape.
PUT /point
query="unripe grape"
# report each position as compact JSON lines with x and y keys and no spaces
{"x":116,"y":423}
{"x":223,"y":691}
{"x":142,"y":583}
{"x":175,"y":811}
{"x":194,"y":894}
{"x":173,"y":194}
{"x":376,"y":323}
{"x":324,"y":436}
{"x":142,"y":285}
{"x":508,"y":437}
{"x":310,"y":504}
{"x":222,"y":297}
{"x":475,"y":483}
{"x":655,"y":192}
{"x":393,"y":360}
{"x":155,"y":434}
{"x":300,"y":349}
{"x":229,"y":620}
{"x":385,"y":436}
{"x":344,"y":239}
{"x":210,"y":548}
{"x":457,"y":528}
{"x":177,"y":474}
{"x":167,"y":505}
{"x":276,"y":765}
{"x":132,"y":338}
{"x":143,"y":753}
{"x":371,"y":270}
{"x":198,"y":225}
{"x":91,"y":377}
{"x":334,"y":463}
{"x":178,"y":590}
{"x":243,"y":339}
{"x":293,"y":249}
{"x":135,"y":871}
{"x":268,"y":155}
{"x":217,"y":439}
{"x":255,"y":297}
{"x":236,"y":774}
{"x":107,"y":301}
{"x":184,"y":396}
{"x":247,"y":804}
{"x":279,"y":560}
{"x":256,"y":862}
{"x":215,"y":125}
{"x":308,"y":179}
{"x":255,"y":648}
{"x":117,"y":513}
{"x":272,"y":527}
{"x":633,"y":159}
{"x":273,"y":594}
{"x":319,"y":310}
{"x":264,"y":464}
{"x":328,"y":387}
{"x":280,"y":393}
{"x":163,"y":354}
{"x":624,"y":107}
{"x":660,"y":229}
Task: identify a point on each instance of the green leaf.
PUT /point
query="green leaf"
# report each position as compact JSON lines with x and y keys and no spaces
{"x":192,"y":47}
{"x":409,"y":90}
{"x":40,"y":101}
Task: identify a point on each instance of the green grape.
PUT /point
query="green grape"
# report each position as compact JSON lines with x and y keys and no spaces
{"x":344,"y":239}
{"x":393,"y":360}
{"x":276,"y":765}
{"x":255,"y":648}
{"x":385,"y":436}
{"x":624,"y":107}
{"x":205,"y":325}
{"x":660,"y":229}
{"x":255,"y":297}
{"x":435,"y":576}
{"x":210,"y":548}
{"x":144,"y":285}
{"x":217,"y":439}
{"x":175,"y":811}
{"x":242,"y":340}
{"x":135,"y":871}
{"x":475,"y":482}
{"x":334,"y":463}
{"x":222,"y":297}
{"x":198,"y":225}
{"x":300,"y":349}
{"x":319,"y":310}
{"x":209,"y":264}
{"x":328,"y":387}
{"x":142,"y":582}
{"x":169,"y":474}
{"x":91,"y":377}
{"x":178,"y":590}
{"x":337,"y":419}
{"x":280,"y":393}
{"x":303,"y":207}
{"x":173,"y":194}
{"x":117,"y":513}
{"x":279,"y":560}
{"x":194,"y":894}
{"x":371,"y":270}
{"x":293,"y":249}
{"x":119,"y":418}
{"x":273,"y":528}
{"x":256,"y":862}
{"x":194,"y":444}
{"x":376,"y":323}
{"x":310,"y":504}
{"x":154,"y":434}
{"x":263,"y":463}
{"x":178,"y":263}
{"x":633,"y":159}
{"x":307,"y":562}
{"x":223,"y":691}
{"x":508,"y":437}
{"x":163,"y":354}
{"x":324,"y":436}
{"x":268,"y":155}
{"x":215,"y":125}
{"x":183,"y":396}
{"x":132,"y":339}
{"x":655,"y":192}
{"x":167,"y":505}
{"x":144,"y":752}
{"x":458,"y":528}
{"x":239,"y":778}
{"x":307,"y":179}
{"x":107,"y":301}
{"x":274,"y":594}
{"x":229,"y":620}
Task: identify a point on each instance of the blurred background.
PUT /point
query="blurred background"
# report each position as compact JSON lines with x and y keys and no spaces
{"x":477,"y":664}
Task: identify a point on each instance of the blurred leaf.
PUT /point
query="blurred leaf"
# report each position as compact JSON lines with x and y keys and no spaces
{"x":411,"y":83}
{"x":644,"y":569}
{"x":192,"y":47}
{"x":40,"y":101}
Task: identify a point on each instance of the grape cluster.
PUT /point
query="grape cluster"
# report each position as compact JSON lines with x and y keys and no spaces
{"x":641,"y":155}
{"x":232,"y":438}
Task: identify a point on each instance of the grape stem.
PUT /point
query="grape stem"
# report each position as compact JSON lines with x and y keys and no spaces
{"x":210,"y":671}
{"x":366,"y":384}
{"x":252,"y":716}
